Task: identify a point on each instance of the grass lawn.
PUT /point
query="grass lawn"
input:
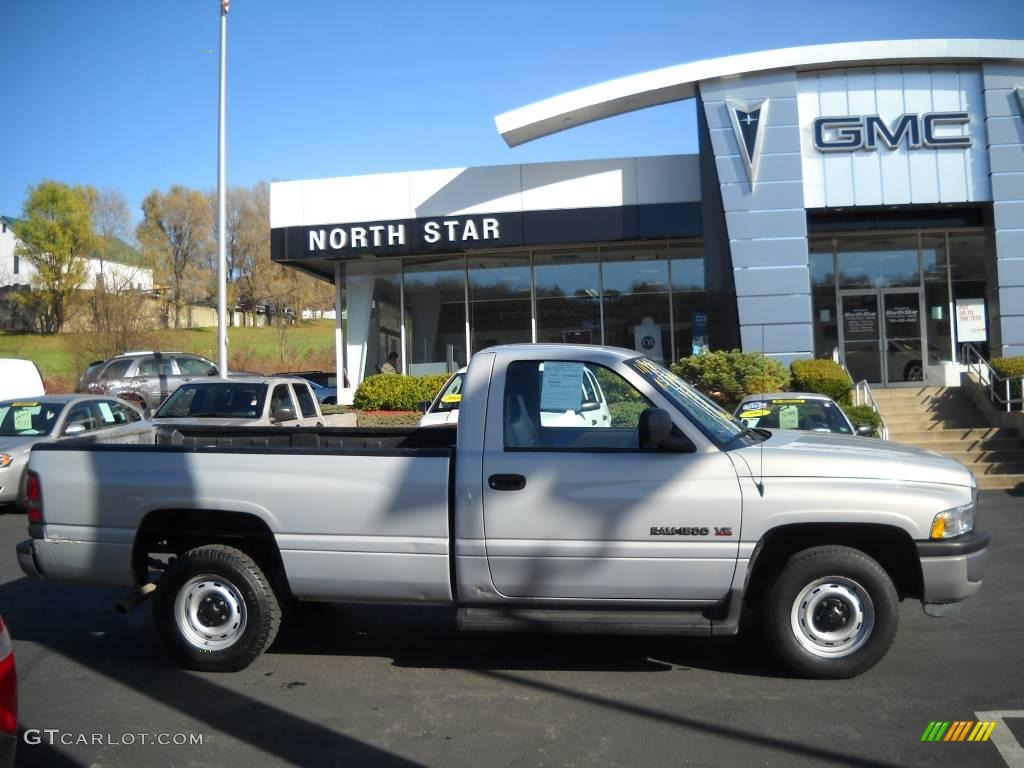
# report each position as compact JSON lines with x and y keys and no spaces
{"x":308,"y":345}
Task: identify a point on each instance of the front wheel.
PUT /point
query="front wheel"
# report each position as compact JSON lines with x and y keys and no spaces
{"x":215,"y":609}
{"x":831,"y":613}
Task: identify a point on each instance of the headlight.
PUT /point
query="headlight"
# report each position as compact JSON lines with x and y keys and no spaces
{"x":5,"y":460}
{"x":953,"y":522}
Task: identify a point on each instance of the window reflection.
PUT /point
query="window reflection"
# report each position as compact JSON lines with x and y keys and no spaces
{"x":568,"y":296}
{"x":435,"y":315}
{"x":499,"y":300}
{"x":636,"y":300}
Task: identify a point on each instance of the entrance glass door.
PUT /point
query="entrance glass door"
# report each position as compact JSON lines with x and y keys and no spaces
{"x":881,"y":336}
{"x":861,"y":336}
{"x":904,"y":362}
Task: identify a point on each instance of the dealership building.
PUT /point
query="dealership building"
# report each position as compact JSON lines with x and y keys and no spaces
{"x":864,"y":200}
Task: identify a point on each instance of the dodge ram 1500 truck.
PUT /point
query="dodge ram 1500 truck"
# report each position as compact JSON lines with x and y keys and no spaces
{"x":668,"y":521}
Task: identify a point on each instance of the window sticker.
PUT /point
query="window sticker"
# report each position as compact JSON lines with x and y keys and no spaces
{"x":780,"y":402}
{"x":754,"y":405}
{"x":108,"y":416}
{"x":25,"y":405}
{"x":789,"y":417}
{"x":23,"y":418}
{"x":451,"y":399}
{"x":755,"y":413}
{"x":562,"y":387}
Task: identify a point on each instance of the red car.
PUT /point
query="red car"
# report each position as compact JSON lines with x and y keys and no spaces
{"x":8,"y":699}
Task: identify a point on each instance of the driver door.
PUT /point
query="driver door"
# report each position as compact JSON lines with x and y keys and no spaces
{"x":577,"y":510}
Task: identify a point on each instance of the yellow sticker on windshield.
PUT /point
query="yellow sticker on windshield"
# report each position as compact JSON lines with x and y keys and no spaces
{"x":451,"y":399}
{"x":753,"y":414}
{"x":797,"y":402}
{"x":24,"y":405}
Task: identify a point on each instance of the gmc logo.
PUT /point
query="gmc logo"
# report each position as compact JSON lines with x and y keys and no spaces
{"x":848,"y":134}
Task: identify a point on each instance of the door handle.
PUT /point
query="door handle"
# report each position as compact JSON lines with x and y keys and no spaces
{"x":506,"y":482}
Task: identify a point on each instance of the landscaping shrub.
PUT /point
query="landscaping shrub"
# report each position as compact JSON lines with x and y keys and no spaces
{"x":824,"y":377}
{"x":396,"y":393}
{"x":730,"y":376}
{"x":1007,"y":366}
{"x":863,"y":414}
{"x":626,"y":414}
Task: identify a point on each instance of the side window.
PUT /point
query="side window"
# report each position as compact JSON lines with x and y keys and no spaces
{"x":280,"y":398}
{"x":451,"y":397}
{"x":81,"y":414}
{"x":306,"y":402}
{"x":193,"y":366}
{"x":559,"y":405}
{"x":116,"y":369}
{"x":156,"y":366}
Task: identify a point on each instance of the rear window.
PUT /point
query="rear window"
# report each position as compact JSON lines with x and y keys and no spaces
{"x":117,"y":369}
{"x":196,"y":366}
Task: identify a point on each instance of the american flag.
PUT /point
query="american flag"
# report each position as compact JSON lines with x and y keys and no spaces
{"x":225,"y":6}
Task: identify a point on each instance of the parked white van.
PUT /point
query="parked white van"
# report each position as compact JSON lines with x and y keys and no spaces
{"x":19,"y":378}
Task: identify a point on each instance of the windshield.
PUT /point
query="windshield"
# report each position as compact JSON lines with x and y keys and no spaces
{"x":225,"y":401}
{"x":28,"y":418}
{"x":451,"y":395}
{"x":707,"y":415}
{"x":794,"y":413}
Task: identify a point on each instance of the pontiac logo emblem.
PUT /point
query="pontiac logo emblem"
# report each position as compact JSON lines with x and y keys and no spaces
{"x":746,"y":124}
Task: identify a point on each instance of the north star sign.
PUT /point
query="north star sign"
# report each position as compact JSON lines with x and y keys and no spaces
{"x":438,"y":233}
{"x":932,"y":130}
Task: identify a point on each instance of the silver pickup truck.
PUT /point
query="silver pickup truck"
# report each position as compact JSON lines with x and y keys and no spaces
{"x":669,"y":520}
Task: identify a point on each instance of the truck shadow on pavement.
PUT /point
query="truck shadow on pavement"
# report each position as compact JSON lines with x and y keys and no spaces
{"x":80,"y":624}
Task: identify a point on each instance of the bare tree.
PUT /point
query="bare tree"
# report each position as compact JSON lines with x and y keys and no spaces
{"x":176,"y":233}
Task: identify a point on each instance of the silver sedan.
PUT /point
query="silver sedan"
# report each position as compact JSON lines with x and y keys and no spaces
{"x":26,"y":422}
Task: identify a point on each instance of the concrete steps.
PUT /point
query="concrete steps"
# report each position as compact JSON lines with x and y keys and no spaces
{"x":945,"y":420}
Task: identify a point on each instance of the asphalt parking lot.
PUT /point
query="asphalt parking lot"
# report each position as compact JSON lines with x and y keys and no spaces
{"x":362,"y":686}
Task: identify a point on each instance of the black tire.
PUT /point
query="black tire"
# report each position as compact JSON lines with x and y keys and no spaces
{"x":228,"y":585}
{"x":831,"y":613}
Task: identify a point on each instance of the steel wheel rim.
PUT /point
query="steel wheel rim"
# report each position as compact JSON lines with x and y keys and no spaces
{"x":210,"y":613}
{"x":833,"y":617}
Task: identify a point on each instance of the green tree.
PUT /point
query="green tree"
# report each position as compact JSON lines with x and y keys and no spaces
{"x":175,"y":235}
{"x":56,"y":237}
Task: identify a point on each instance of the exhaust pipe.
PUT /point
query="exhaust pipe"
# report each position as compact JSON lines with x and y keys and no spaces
{"x":135,"y":598}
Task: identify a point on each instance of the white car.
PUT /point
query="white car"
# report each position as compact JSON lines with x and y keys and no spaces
{"x":797,"y":410}
{"x":593,"y":410}
{"x":19,"y":379}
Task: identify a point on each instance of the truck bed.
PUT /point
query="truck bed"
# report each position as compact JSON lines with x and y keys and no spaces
{"x":358,"y":514}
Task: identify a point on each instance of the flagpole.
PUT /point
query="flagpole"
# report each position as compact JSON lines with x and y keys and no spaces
{"x":222,"y":287}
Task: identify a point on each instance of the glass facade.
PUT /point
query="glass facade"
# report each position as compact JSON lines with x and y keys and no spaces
{"x":887,"y":303}
{"x":648,"y":296}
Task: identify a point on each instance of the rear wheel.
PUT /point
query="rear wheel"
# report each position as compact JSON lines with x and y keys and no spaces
{"x":215,"y":609}
{"x":831,"y":613}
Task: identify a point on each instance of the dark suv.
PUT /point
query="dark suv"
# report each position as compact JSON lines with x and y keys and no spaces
{"x":144,"y":378}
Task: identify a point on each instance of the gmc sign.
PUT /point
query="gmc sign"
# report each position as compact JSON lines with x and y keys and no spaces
{"x":848,"y":134}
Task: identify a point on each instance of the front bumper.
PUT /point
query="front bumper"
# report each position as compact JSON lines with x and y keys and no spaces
{"x":952,"y":570}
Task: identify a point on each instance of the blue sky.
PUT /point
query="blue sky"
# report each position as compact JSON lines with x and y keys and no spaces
{"x":123,"y":93}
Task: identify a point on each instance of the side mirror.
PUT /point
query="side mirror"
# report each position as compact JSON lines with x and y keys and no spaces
{"x":423,"y":406}
{"x":283,"y":413}
{"x":656,"y":433}
{"x":75,"y":428}
{"x":590,"y":405}
{"x":213,"y":372}
{"x":865,"y":430}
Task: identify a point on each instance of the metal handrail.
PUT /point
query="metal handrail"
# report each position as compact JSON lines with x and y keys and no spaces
{"x":989,"y":377}
{"x":862,"y":395}
{"x":867,"y":398}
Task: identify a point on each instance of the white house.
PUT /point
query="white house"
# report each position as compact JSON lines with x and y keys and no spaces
{"x":119,"y":266}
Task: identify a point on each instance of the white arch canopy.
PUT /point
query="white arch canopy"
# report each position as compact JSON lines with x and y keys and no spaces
{"x":676,"y":83}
